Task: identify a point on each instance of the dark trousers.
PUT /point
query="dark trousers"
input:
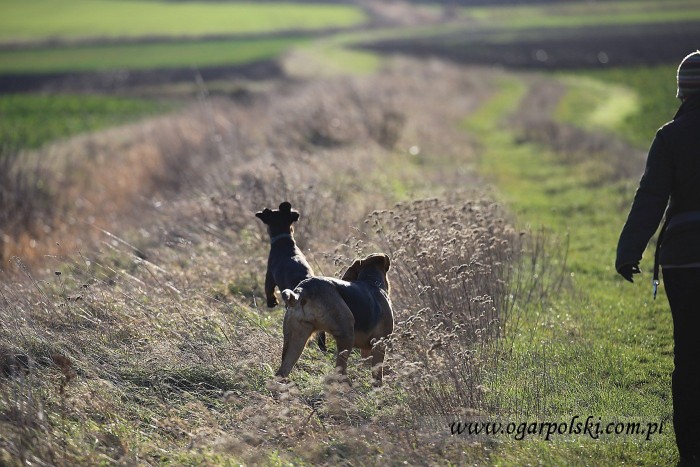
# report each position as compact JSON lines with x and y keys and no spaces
{"x":683,"y":291}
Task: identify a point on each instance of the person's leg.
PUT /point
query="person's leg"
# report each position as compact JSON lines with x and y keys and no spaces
{"x":683,"y":291}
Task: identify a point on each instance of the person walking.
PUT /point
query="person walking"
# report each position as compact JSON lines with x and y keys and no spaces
{"x":671,"y":185}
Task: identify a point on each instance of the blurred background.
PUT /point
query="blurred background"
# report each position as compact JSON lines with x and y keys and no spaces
{"x":72,"y":66}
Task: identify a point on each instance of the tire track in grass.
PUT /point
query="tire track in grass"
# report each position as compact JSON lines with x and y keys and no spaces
{"x":606,"y":348}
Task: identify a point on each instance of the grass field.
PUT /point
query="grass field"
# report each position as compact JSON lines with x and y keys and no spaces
{"x":28,"y":121}
{"x":598,"y":347}
{"x":21,"y":18}
{"x":654,"y":88}
{"x":613,"y":356}
{"x":144,"y":56}
{"x":66,"y":19}
{"x":134,"y":328}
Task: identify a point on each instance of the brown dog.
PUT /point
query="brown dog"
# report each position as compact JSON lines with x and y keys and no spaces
{"x":286,"y":264}
{"x":355,"y":310}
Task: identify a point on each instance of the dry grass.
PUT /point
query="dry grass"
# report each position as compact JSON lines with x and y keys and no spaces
{"x":149,"y":345}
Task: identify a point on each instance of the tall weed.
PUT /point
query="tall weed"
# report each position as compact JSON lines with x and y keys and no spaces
{"x":462,"y":277}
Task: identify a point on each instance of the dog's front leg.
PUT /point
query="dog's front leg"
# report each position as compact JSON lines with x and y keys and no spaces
{"x":270,"y":290}
{"x":296,"y":333}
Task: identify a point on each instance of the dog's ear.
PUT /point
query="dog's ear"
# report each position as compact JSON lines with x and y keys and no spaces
{"x":290,"y":297}
{"x":353,"y":271}
{"x":387,"y":263}
{"x":292,"y":215}
{"x":378,"y":258}
{"x":264,"y":215}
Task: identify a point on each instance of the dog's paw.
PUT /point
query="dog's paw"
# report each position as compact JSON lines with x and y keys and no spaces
{"x":271,"y":303}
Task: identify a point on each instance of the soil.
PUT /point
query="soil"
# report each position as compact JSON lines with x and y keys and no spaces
{"x":112,"y":81}
{"x":566,"y":48}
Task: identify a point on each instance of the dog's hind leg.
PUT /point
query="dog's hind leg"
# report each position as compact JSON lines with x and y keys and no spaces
{"x":378,"y":352}
{"x":344,"y":341}
{"x":296,"y":333}
{"x":340,"y":322}
{"x":321,"y":342}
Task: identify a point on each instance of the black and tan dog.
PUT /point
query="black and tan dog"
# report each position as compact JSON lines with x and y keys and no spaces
{"x":355,"y":310}
{"x":286,"y":264}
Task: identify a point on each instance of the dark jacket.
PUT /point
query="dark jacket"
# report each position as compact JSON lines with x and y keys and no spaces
{"x":671,"y":184}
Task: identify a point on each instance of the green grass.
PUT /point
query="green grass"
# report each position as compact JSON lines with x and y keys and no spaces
{"x":655,"y":88}
{"x":29,"y":121}
{"x":70,"y":19}
{"x":144,"y":56}
{"x":595,"y":104}
{"x":333,"y":56}
{"x":605,"y":350}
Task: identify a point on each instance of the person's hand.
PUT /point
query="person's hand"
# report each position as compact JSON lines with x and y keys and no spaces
{"x":628,"y":271}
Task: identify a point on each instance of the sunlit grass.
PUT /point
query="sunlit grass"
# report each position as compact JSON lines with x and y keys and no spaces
{"x":606,"y":349}
{"x":656,"y":91}
{"x":597,"y":104}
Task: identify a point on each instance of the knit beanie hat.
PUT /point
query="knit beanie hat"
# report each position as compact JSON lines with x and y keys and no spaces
{"x":689,"y":75}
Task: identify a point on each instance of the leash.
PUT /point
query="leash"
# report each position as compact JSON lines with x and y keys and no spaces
{"x":655,"y":276}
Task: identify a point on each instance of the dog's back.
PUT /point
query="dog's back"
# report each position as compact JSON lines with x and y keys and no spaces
{"x":367,"y":301}
{"x":364,"y":288}
{"x":287,"y":264}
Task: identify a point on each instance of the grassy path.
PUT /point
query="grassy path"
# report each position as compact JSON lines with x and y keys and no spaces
{"x":604,"y":350}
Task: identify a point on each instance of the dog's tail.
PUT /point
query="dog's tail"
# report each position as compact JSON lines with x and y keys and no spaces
{"x":290,"y":297}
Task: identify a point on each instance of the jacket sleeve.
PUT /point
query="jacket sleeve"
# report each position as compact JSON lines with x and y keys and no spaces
{"x":649,"y":204}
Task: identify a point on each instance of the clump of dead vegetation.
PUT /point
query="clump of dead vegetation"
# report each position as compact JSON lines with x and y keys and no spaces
{"x":150,"y":343}
{"x":462,"y":277}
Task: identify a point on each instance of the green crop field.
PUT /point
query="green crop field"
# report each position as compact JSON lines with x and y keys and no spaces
{"x":71,"y":19}
{"x":29,"y":121}
{"x":144,"y":56}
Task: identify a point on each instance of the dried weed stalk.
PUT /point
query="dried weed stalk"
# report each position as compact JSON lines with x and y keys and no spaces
{"x":461,"y":276}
